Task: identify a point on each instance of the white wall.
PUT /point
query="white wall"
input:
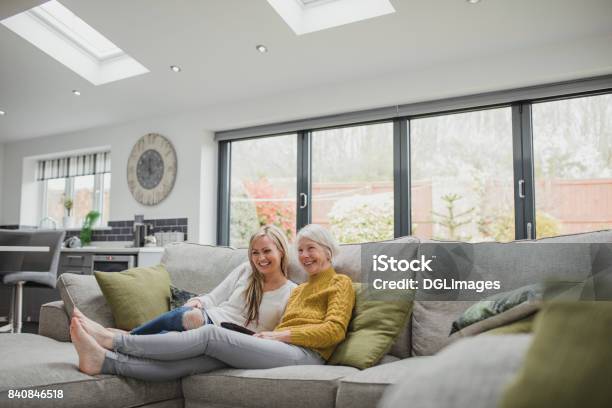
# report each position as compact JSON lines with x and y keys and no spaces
{"x":193,"y":195}
{"x":1,"y":178}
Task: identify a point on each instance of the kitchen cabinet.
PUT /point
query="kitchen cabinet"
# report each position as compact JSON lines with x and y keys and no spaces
{"x":150,"y":256}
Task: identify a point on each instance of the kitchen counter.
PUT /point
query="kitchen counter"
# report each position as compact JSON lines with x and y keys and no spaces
{"x":102,"y":250}
{"x":113,"y":250}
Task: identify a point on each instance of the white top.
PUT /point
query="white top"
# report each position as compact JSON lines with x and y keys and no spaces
{"x":226,"y":303}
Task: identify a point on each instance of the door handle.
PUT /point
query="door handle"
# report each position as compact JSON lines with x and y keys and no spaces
{"x":303,"y":200}
{"x":521,"y":188}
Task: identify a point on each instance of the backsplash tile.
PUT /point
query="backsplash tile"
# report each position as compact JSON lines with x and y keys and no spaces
{"x":123,"y":230}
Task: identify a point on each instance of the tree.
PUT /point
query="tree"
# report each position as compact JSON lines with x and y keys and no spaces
{"x":451,"y":221}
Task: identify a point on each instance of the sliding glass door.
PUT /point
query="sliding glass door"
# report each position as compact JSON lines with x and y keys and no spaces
{"x":263,"y":186}
{"x":572,"y":151}
{"x":462,"y":176}
{"x":352,"y":182}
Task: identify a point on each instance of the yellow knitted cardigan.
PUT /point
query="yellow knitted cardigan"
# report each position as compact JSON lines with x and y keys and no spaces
{"x":318,"y":312}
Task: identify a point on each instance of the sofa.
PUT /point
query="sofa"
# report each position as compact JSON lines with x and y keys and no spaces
{"x":470,"y":372}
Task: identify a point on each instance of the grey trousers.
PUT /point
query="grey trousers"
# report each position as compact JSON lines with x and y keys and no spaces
{"x":168,"y":356}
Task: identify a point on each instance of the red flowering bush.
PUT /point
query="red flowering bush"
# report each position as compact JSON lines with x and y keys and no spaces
{"x":272,"y":205}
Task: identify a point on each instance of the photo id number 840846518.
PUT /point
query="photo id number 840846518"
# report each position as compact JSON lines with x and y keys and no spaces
{"x":36,"y":394}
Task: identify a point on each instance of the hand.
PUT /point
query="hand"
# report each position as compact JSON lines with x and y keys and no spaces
{"x":284,"y":336}
{"x":197,"y":303}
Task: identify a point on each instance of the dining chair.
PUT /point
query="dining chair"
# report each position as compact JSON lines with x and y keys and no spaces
{"x":11,"y":261}
{"x":29,"y":268}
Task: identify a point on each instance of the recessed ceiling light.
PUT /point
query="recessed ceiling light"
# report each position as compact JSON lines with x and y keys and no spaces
{"x":262,"y":48}
{"x":175,"y":68}
{"x":2,"y":113}
{"x":473,"y":1}
{"x":76,"y":92}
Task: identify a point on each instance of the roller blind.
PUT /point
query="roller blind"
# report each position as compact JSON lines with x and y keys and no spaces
{"x":71,"y":166}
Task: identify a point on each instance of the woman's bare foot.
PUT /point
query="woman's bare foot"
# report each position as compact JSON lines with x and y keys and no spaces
{"x":91,"y":355}
{"x":120,"y":331}
{"x":101,"y":334}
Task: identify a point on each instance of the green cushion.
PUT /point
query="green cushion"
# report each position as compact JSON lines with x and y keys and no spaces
{"x":373,"y":328}
{"x":525,"y":325}
{"x":569,"y":363}
{"x":137,"y":295}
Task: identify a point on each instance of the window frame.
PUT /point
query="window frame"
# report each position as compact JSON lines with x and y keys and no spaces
{"x":97,"y":199}
{"x":519,"y":100}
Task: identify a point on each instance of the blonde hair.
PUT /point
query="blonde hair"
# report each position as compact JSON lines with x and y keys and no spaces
{"x":254,"y":292}
{"x":321,"y":236}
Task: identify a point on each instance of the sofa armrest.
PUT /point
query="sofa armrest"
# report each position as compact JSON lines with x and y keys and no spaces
{"x":54,"y":321}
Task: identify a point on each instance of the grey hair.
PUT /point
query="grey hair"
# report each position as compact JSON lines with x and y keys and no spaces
{"x":321,"y":236}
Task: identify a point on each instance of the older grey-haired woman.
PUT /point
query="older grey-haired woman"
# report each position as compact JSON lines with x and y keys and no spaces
{"x":315,"y":321}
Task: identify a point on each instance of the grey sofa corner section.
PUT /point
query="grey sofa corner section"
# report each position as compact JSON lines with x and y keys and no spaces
{"x":365,"y":388}
{"x":54,"y":321}
{"x":470,"y":373}
{"x":294,"y":386}
{"x":83,"y":292}
{"x":40,"y":363}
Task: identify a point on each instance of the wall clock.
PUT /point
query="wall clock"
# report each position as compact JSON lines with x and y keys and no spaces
{"x":151,"y":169}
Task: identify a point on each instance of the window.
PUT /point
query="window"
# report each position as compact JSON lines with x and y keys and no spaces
{"x":485,"y":167}
{"x":462,"y":176}
{"x":54,"y":198}
{"x":83,"y":180}
{"x":263,"y":186}
{"x":85,"y":194}
{"x":352,"y":182}
{"x":572,"y":147}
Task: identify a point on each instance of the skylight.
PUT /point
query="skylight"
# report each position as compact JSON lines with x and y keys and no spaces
{"x":61,"y":34}
{"x":306,"y":16}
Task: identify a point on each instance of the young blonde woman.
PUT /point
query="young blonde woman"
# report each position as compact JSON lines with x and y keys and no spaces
{"x":253,"y":295}
{"x":315,"y":321}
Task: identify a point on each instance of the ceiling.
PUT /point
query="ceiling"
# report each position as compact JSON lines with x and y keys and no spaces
{"x":214,"y":43}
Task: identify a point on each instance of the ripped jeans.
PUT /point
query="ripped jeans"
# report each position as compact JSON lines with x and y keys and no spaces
{"x":166,"y":322}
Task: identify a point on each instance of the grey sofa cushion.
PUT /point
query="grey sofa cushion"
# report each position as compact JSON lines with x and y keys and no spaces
{"x":54,"y":321}
{"x":199,"y":268}
{"x":431,"y":323}
{"x":470,"y":373}
{"x":293,"y":386}
{"x":514,"y":264}
{"x":32,"y":361}
{"x":365,"y":388}
{"x":83,"y":292}
{"x":603,"y":237}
